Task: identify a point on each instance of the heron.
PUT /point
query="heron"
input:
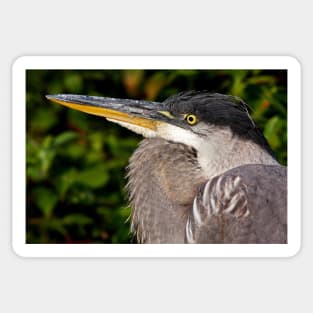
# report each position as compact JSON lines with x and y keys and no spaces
{"x":204,"y":172}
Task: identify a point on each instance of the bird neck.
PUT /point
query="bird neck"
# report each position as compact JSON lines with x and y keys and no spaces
{"x":224,"y":150}
{"x":163,"y":178}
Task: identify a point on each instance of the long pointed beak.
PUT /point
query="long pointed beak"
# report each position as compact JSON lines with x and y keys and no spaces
{"x":138,"y":112}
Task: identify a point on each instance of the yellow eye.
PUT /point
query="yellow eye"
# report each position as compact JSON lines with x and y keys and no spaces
{"x":191,"y":119}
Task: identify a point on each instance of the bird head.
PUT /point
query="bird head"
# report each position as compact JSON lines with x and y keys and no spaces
{"x":186,"y":117}
{"x":215,"y":125}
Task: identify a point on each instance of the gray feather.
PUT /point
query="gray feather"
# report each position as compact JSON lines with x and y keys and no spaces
{"x":165,"y":179}
{"x":262,"y":218}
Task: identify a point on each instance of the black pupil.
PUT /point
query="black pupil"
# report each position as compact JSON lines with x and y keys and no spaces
{"x":191,"y":119}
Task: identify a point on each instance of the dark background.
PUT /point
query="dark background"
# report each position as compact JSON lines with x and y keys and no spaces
{"x":76,"y":162}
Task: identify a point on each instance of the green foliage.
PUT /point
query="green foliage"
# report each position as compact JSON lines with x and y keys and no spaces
{"x":76,"y":162}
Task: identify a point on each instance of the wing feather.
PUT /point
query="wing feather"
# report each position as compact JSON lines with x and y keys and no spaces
{"x":247,"y":204}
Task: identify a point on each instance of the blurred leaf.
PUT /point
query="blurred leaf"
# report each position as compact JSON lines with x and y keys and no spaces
{"x":132,"y":80}
{"x":33,"y":166}
{"x":79,"y":221}
{"x":238,"y":84}
{"x":73,"y":82}
{"x":273,"y":131}
{"x":45,"y":199}
{"x":55,"y":224}
{"x":260,"y":107}
{"x":34,"y":173}
{"x":93,"y":177}
{"x":47,"y":142}
{"x":65,"y":138}
{"x":96,"y":140}
{"x":261,"y":79}
{"x":76,"y":218}
{"x":43,"y":119}
{"x":73,"y":150}
{"x":80,"y":196}
{"x":46,"y":154}
{"x":78,"y":120}
{"x":65,"y":181}
{"x":154,"y":84}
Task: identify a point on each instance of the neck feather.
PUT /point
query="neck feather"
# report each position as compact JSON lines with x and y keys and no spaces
{"x":164,"y":178}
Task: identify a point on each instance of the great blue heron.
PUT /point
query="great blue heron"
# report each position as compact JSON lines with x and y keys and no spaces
{"x":204,"y":172}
